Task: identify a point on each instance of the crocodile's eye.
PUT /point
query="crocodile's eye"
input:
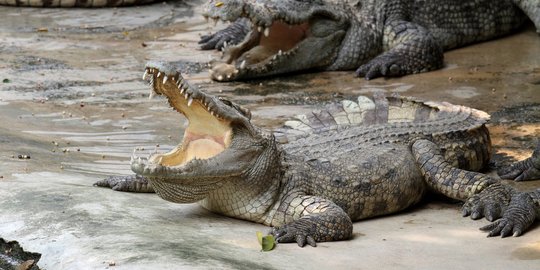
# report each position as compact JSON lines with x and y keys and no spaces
{"x":244,"y":111}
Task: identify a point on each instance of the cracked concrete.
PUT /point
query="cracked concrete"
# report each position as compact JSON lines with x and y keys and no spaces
{"x":72,"y":99}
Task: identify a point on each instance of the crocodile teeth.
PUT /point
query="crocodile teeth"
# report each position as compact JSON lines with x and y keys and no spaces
{"x":190,"y":100}
{"x":224,"y":44}
{"x":145,"y":74}
{"x":259,"y":29}
{"x":220,"y":78}
{"x":165,"y":78}
{"x":243,"y":64}
{"x":280,"y":52}
{"x":159,"y":74}
{"x":186,"y":95}
{"x":266,"y":31}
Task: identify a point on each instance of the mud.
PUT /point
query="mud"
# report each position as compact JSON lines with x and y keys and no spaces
{"x":13,"y":256}
{"x":72,"y":98}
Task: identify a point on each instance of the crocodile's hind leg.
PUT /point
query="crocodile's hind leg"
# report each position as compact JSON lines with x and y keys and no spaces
{"x":409,"y":48}
{"x":483,"y":195}
{"x":233,"y":34}
{"x":131,"y":183}
{"x":524,"y":170}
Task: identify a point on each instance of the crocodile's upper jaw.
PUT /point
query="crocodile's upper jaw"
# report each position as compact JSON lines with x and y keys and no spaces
{"x":208,"y":153}
{"x":279,"y":42}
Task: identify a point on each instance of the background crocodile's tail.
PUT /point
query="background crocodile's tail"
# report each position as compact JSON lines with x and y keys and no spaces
{"x":380,"y":110}
{"x":532,"y":9}
{"x":74,"y":3}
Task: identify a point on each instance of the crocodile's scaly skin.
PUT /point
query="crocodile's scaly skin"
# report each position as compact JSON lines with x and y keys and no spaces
{"x":375,"y":37}
{"x":320,"y":172}
{"x":74,"y":3}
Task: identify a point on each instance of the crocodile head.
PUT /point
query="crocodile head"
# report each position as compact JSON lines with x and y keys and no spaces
{"x":286,"y":36}
{"x":219,"y":144}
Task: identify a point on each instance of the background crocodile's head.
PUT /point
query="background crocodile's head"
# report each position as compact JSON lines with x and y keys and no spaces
{"x":286,"y":36}
{"x":219,"y":144}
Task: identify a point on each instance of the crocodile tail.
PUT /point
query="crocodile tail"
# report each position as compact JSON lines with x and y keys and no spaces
{"x":378,"y":110}
{"x":74,"y":3}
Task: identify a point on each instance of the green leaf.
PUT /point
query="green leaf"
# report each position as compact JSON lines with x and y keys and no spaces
{"x":6,"y":81}
{"x":259,"y":237}
{"x":267,"y":242}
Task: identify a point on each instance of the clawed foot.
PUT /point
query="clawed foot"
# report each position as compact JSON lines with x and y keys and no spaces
{"x":527,"y":169}
{"x":300,"y":231}
{"x":132,"y":183}
{"x":233,"y":34}
{"x":519,"y":216}
{"x":386,"y":65}
{"x":490,"y":203}
{"x":516,"y":210}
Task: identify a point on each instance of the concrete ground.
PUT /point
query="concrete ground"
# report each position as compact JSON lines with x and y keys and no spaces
{"x":72,"y":99}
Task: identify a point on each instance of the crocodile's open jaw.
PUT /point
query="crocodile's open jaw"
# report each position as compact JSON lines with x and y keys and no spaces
{"x":261,"y":49}
{"x":206,"y":135}
{"x":209,"y":131}
{"x":219,"y":143}
{"x":278,"y":41}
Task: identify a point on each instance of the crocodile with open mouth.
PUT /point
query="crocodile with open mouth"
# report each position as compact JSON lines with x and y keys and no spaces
{"x":348,"y":161}
{"x":377,"y":38}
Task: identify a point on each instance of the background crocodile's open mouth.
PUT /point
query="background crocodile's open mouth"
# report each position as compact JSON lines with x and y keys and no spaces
{"x":206,"y":135}
{"x":262,"y":48}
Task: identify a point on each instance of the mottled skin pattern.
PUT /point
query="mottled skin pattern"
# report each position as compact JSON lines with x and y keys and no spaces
{"x":377,"y":38}
{"x":345,"y":162}
{"x":74,"y":3}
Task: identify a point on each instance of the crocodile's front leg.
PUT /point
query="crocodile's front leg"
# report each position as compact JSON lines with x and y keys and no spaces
{"x":231,"y":35}
{"x":131,"y":183}
{"x":527,"y":169}
{"x":409,"y":48}
{"x":483,"y":195}
{"x":313,"y":220}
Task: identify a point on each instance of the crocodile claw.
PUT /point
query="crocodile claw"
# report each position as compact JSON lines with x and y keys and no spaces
{"x":233,"y":34}
{"x":490,"y":203}
{"x":294,"y":233}
{"x":132,"y":183}
{"x":387,"y":65}
{"x":524,"y":170}
{"x":519,"y":216}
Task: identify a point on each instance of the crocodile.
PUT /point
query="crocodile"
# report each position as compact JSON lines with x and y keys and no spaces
{"x":74,"y":3}
{"x":345,"y":162}
{"x":377,"y":38}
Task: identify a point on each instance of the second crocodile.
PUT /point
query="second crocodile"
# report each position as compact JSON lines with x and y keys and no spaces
{"x":375,"y":37}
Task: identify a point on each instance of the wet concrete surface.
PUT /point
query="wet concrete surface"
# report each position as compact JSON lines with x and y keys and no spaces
{"x":73,"y":106}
